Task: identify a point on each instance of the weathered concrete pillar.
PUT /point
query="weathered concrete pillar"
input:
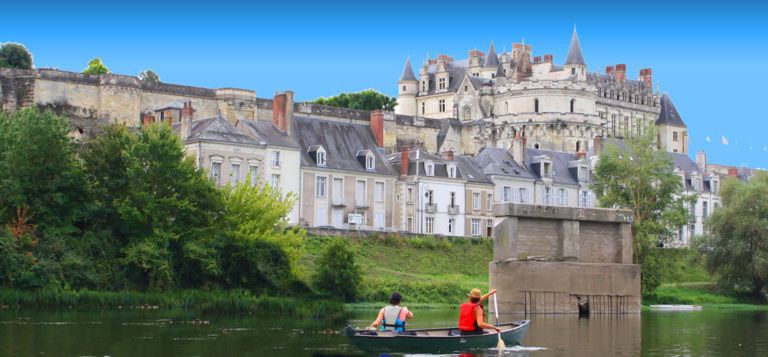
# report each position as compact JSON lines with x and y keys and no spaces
{"x":504,"y":238}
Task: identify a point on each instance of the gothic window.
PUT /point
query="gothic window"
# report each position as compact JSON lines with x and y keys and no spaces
{"x":536,"y":105}
{"x":573,"y":101}
{"x":441,"y":103}
{"x":467,"y":113}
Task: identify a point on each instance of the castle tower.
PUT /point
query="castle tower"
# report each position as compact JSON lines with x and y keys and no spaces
{"x":491,"y":66}
{"x":673,"y":135}
{"x":574,"y":63}
{"x":408,"y":88}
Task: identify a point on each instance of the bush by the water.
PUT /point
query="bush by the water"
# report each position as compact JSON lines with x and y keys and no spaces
{"x":336,"y":274}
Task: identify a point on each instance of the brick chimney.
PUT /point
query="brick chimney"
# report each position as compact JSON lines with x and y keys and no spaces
{"x":733,"y":172}
{"x":282,"y":111}
{"x":536,"y":59}
{"x":549,"y":58}
{"x":447,"y":155}
{"x":377,"y":126}
{"x":518,"y":148}
{"x":148,"y":118}
{"x":597,"y":145}
{"x":621,"y":72}
{"x":646,"y":75}
{"x":609,"y":70}
{"x":405,"y":157}
{"x":581,"y":155}
{"x":701,"y":160}
{"x":187,"y":115}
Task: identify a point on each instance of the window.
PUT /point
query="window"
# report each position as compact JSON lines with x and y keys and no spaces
{"x":467,"y":113}
{"x":423,"y":108}
{"x":547,"y":169}
{"x":674,"y":136}
{"x":536,"y":105}
{"x":276,"y":158}
{"x":562,"y":197}
{"x":253,"y":170}
{"x":409,"y":224}
{"x":320,"y":186}
{"x":573,"y":70}
{"x":451,"y":225}
{"x":234,"y":174}
{"x":360,"y":193}
{"x":321,"y":216}
{"x":216,"y":172}
{"x":429,"y":196}
{"x":338,"y":191}
{"x":441,"y":104}
{"x":583,"y":199}
{"x":452,"y":171}
{"x":524,"y":195}
{"x":441,"y":83}
{"x":489,"y":202}
{"x":705,"y":209}
{"x":453,"y":199}
{"x":506,"y":107}
{"x":430,"y":225}
{"x":378,"y":220}
{"x":429,"y":168}
{"x":378,"y":192}
{"x":475,"y":227}
{"x":546,"y":195}
{"x":582,"y":173}
{"x":489,"y":227}
{"x":715,"y":183}
{"x":403,"y":88}
{"x":275,"y":182}
{"x":465,"y":88}
{"x":507,"y":194}
{"x":475,"y":200}
{"x":423,"y":86}
{"x":320,"y":158}
{"x":409,"y":195}
{"x":573,"y":101}
{"x":397,"y":197}
{"x":370,"y":162}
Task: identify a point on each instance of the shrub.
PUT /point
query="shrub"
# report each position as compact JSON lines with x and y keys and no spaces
{"x":336,"y":274}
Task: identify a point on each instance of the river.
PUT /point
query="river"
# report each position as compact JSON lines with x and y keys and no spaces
{"x":176,"y":333}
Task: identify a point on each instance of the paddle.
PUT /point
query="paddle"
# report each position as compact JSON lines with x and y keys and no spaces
{"x":499,"y":345}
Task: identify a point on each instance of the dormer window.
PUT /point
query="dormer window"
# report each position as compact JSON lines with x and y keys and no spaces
{"x":370,"y":162}
{"x":366,"y":159}
{"x":321,"y":158}
{"x":451,"y":171}
{"x":546,"y":169}
{"x":429,"y":169}
{"x":441,"y":82}
{"x":317,"y":153}
{"x":582,"y":173}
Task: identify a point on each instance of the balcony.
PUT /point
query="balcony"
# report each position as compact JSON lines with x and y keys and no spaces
{"x":453,"y":209}
{"x":362,"y":204}
{"x":430,"y":207}
{"x":338,"y":202}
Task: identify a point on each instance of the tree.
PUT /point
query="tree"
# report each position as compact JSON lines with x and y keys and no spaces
{"x":15,"y":55}
{"x":368,"y":99}
{"x":640,"y":178}
{"x":337,"y":275}
{"x":739,"y":235}
{"x":96,"y":67}
{"x":149,"y":76}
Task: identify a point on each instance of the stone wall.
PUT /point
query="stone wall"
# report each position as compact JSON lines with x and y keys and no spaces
{"x":549,"y":259}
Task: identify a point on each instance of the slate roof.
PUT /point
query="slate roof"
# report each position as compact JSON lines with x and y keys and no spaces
{"x":467,"y":168}
{"x":407,"y":72}
{"x":561,"y":173}
{"x":668,"y":114}
{"x":341,"y":142}
{"x":574,"y":51}
{"x":456,"y":70}
{"x":174,"y":104}
{"x":499,"y":162}
{"x":492,"y":61}
{"x":683,"y":162}
{"x":216,"y":129}
{"x":605,"y":80}
{"x":267,"y":133}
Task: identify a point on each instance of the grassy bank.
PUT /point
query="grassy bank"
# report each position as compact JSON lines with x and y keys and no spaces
{"x":218,"y":301}
{"x":428,"y":270}
{"x":700,"y":293}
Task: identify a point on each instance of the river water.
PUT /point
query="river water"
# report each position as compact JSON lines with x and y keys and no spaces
{"x":175,"y":333}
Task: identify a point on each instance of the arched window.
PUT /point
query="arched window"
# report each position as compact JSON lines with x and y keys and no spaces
{"x":535,"y":145}
{"x":578,"y":145}
{"x":573,"y":101}
{"x":536,"y":105}
{"x":467,"y":113}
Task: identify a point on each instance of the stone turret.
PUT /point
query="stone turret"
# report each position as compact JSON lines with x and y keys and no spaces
{"x":491,"y":66}
{"x":408,"y":88}
{"x":574,"y":63}
{"x":673,"y":135}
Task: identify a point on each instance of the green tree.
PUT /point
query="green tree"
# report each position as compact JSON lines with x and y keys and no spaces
{"x":640,"y":178}
{"x":368,"y":99}
{"x":149,"y":76}
{"x":42,"y":187}
{"x":739,"y":235}
{"x":337,"y":275}
{"x":96,"y":67}
{"x":15,"y":55}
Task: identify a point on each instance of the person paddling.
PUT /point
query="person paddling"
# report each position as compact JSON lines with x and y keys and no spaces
{"x":393,"y":315}
{"x":472,"y":317}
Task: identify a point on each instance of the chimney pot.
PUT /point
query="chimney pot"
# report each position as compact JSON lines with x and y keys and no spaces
{"x":404,"y":160}
{"x":447,"y":155}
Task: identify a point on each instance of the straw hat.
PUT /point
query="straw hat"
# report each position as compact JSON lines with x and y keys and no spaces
{"x":475,"y":293}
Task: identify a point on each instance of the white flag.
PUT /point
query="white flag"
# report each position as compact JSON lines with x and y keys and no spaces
{"x":725,"y":142}
{"x":708,"y":139}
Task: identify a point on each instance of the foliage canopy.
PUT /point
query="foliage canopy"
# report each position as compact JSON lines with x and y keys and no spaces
{"x":96,"y":67}
{"x":149,"y":76}
{"x":368,"y":99}
{"x":337,"y":276}
{"x":15,"y":55}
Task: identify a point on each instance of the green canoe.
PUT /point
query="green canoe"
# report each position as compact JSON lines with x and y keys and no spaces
{"x":436,"y":340}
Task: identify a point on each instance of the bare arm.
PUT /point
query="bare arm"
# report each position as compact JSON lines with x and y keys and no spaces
{"x":378,"y":319}
{"x":484,"y":297}
{"x":408,"y":314}
{"x":481,"y":323}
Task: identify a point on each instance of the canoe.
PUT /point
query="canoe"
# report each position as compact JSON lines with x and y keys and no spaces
{"x":436,"y":339}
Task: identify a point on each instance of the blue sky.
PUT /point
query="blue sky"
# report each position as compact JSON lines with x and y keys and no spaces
{"x":711,"y":57}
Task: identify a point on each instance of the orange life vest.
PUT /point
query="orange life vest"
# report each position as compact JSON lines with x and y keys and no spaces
{"x":467,"y":319}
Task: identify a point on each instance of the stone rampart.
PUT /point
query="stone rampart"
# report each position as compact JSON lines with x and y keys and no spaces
{"x":551,"y":259}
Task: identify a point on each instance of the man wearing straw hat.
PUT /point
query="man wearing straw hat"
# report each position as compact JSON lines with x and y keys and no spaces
{"x":472,"y":318}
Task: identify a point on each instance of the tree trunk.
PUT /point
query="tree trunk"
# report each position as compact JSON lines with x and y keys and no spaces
{"x":757,"y":289}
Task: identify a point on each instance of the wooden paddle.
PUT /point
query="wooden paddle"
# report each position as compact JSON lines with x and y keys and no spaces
{"x":499,"y":345}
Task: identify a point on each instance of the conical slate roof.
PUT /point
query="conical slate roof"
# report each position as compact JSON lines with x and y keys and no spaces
{"x":407,"y":72}
{"x":669,"y":115}
{"x":574,"y":51}
{"x":492,"y":60}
